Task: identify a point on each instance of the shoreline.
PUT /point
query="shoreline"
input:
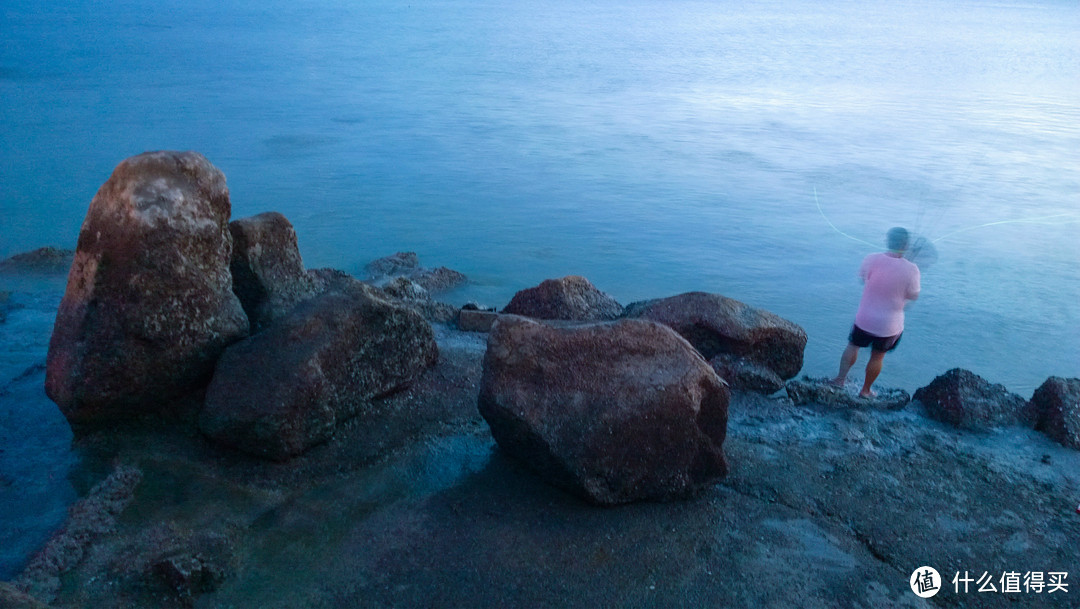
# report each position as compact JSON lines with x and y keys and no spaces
{"x":414,"y":504}
{"x":392,"y":509}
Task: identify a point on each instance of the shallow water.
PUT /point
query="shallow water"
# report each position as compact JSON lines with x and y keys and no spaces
{"x":652,"y":147}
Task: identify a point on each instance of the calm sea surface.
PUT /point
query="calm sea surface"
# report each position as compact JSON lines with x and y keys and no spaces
{"x":654,"y":147}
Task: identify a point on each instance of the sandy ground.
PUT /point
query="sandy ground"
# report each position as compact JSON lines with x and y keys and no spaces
{"x":412,"y":505}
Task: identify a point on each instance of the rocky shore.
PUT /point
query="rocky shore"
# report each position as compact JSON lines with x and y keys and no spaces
{"x":254,"y":433}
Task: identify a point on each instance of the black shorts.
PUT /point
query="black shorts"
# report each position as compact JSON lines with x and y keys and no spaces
{"x":862,"y":338}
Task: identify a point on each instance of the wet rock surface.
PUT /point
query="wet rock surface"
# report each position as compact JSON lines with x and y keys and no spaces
{"x":614,"y":412}
{"x":821,"y":392}
{"x":717,"y":325}
{"x":415,"y":506}
{"x":570,"y":298}
{"x":287,"y":388}
{"x":964,"y":399}
{"x":149,"y":304}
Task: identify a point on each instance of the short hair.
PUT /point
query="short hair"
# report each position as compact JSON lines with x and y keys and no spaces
{"x":897,"y":239}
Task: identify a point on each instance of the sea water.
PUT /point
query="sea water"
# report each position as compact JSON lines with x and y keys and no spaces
{"x":753,"y":149}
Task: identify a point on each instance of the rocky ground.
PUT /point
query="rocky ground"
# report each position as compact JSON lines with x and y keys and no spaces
{"x":412,"y":505}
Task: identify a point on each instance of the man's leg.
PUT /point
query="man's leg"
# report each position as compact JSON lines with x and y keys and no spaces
{"x":873,"y":369}
{"x":847,"y":360}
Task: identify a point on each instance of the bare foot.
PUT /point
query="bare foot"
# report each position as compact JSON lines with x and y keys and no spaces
{"x":837,"y":382}
{"x":868,"y":394}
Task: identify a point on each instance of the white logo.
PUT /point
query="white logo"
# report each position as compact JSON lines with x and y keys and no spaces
{"x":925,"y":582}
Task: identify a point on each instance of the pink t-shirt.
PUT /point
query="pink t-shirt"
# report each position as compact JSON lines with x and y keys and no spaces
{"x":890,"y":283}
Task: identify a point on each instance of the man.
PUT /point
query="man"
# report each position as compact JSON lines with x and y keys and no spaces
{"x":890,"y":282}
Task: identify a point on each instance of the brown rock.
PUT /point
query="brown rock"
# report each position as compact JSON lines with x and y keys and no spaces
{"x":149,"y":304}
{"x":1056,"y":406}
{"x":268,"y":273}
{"x":571,"y":298}
{"x":717,"y":325}
{"x":614,"y":412}
{"x":285,"y":389}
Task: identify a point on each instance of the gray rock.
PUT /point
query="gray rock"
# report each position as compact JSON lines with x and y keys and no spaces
{"x":406,"y":289}
{"x":966,"y":400}
{"x":438,"y":279}
{"x":614,"y":412}
{"x":745,"y":374}
{"x":268,"y":273}
{"x":475,"y":320}
{"x":13,"y":598}
{"x":91,"y":518}
{"x":1056,"y":408}
{"x":197,"y":564}
{"x":408,"y":293}
{"x":716,"y":325}
{"x":283,"y":390}
{"x":149,"y":304}
{"x":42,"y":261}
{"x":571,"y":298}
{"x":397,"y":264}
{"x":819,"y":391}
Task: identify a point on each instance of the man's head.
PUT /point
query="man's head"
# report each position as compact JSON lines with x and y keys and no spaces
{"x":897,"y":239}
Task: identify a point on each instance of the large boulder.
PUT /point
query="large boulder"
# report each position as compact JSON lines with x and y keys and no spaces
{"x":149,"y":304}
{"x":285,"y":389}
{"x":1056,"y":406}
{"x":570,"y":298}
{"x":964,"y":399}
{"x":268,"y":273}
{"x":717,"y":325}
{"x":614,"y":412}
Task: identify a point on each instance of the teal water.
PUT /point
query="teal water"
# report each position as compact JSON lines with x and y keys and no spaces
{"x":653,"y":147}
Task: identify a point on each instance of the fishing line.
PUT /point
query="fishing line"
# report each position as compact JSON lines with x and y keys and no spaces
{"x":1034,"y":220}
{"x":1053,"y":219}
{"x":834,"y":226}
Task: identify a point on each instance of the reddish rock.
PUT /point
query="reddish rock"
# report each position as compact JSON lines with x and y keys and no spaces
{"x":718,"y":325}
{"x":268,"y":272}
{"x":966,"y":400}
{"x":570,"y":298}
{"x":1056,"y":406}
{"x":285,"y":389}
{"x":149,"y":304}
{"x":614,"y":412}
